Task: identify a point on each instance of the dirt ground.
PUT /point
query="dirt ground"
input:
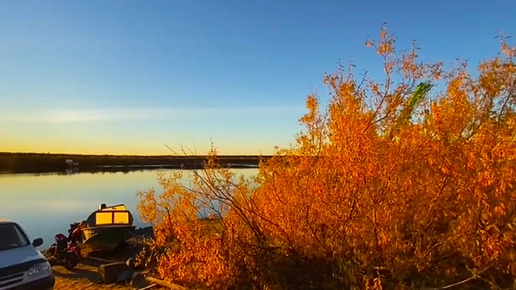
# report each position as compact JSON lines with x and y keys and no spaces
{"x":85,"y":276}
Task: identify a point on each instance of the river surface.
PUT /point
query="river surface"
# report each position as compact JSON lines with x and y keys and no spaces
{"x":46,"y":204}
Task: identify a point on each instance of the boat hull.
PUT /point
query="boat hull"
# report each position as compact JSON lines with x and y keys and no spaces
{"x":104,"y":238}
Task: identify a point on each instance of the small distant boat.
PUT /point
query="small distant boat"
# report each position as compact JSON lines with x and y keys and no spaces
{"x":71,"y":165}
{"x":104,"y":229}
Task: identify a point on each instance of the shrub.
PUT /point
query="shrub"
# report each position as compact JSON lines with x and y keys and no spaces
{"x":395,"y":185}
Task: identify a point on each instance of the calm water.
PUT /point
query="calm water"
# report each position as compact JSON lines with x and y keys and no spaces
{"x":46,"y":204}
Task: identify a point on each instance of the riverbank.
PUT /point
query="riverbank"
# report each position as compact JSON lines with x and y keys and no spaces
{"x":86,"y":274}
{"x":43,"y":163}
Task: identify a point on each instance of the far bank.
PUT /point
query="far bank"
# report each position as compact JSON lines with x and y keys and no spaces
{"x":41,"y":162}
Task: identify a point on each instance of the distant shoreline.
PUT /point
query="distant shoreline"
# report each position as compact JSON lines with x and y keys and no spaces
{"x":12,"y":162}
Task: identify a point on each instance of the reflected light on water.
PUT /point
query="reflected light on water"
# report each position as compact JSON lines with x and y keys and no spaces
{"x":46,"y":204}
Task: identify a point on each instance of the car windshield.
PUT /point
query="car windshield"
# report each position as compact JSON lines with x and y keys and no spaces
{"x":11,"y":236}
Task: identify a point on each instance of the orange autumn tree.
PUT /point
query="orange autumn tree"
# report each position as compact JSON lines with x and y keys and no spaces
{"x":386,"y":188}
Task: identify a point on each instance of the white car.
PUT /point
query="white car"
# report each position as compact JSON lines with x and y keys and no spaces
{"x":22,"y":266}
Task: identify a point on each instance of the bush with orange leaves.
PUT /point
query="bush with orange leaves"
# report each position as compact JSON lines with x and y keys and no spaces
{"x":379,"y":191}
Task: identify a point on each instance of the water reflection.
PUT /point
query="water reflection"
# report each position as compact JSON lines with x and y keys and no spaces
{"x":45,"y":204}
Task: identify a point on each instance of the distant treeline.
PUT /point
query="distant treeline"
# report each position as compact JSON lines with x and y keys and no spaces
{"x":41,"y":162}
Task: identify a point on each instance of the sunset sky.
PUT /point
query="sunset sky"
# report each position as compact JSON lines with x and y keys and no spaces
{"x":127,"y":77}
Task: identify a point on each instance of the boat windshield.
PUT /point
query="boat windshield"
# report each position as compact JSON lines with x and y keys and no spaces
{"x":113,"y":217}
{"x":11,"y":236}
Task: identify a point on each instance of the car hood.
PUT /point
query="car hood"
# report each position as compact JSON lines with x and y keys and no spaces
{"x":19,"y":255}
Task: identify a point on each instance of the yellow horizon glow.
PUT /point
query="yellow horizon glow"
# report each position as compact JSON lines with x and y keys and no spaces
{"x":157,"y":149}
{"x":235,"y":131}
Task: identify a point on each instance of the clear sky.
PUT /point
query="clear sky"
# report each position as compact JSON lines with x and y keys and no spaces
{"x":125,"y":77}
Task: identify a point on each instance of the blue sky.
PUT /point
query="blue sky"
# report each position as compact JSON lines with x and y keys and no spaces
{"x":124,"y":77}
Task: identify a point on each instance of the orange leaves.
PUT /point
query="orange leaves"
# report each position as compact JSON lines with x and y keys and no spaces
{"x":509,"y":51}
{"x":201,"y":263}
{"x":399,"y":182}
{"x":312,"y":104}
{"x":383,"y":33}
{"x":385,"y":46}
{"x":436,"y":114}
{"x":425,"y":205}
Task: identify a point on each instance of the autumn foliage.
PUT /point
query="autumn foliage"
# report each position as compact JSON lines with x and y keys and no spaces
{"x":386,"y":188}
